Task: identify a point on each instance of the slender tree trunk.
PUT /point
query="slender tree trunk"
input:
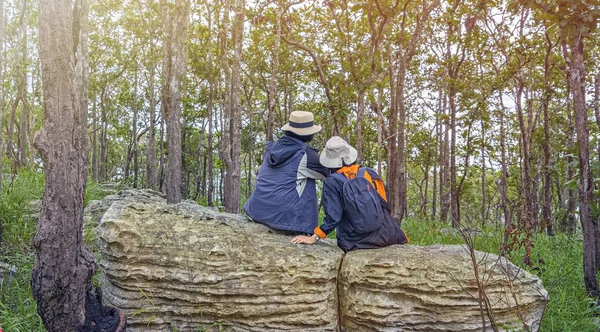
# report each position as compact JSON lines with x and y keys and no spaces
{"x":392,"y":141}
{"x":359,"y":122}
{"x":546,"y":212}
{"x":23,"y":86}
{"x":233,"y":122}
{"x":1,"y":91}
{"x":438,"y":139}
{"x":94,"y":142}
{"x":483,"y":178}
{"x":444,"y":163}
{"x":274,"y":72}
{"x":504,"y":175}
{"x":401,"y":182}
{"x":64,"y":267}
{"x":151,"y":178}
{"x":211,"y":91}
{"x":175,"y":18}
{"x":104,"y":138}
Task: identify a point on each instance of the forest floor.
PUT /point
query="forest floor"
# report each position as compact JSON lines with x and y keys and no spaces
{"x":557,"y":260}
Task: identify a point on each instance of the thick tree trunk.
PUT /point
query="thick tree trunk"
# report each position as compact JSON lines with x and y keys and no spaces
{"x":64,"y":267}
{"x":586,"y":186}
{"x":175,"y":21}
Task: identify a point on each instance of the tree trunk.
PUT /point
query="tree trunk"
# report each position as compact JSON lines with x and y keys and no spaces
{"x":175,"y":21}
{"x":62,"y":274}
{"x":359,"y":123}
{"x":1,"y":91}
{"x":546,"y":212}
{"x":577,"y":77}
{"x":504,"y":175}
{"x":274,"y":72}
{"x":483,"y":178}
{"x":104,"y":138}
{"x":151,"y":178}
{"x":23,"y":87}
{"x":234,"y":120}
{"x":94,"y":142}
{"x":401,"y":182}
{"x":211,"y":88}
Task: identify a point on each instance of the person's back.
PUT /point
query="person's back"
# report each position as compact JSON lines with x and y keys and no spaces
{"x":361,"y":223}
{"x":285,"y":194}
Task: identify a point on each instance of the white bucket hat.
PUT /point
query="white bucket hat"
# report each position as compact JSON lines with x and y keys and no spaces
{"x":337,"y":152}
{"x":302,"y":123}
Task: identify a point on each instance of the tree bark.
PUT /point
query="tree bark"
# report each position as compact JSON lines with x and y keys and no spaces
{"x":504,"y":175}
{"x":151,"y":178}
{"x":175,"y":21}
{"x":62,"y":273}
{"x":23,"y":87}
{"x":274,"y":72}
{"x":233,"y":167}
{"x":586,"y":186}
{"x":1,"y":91}
{"x":211,"y":88}
{"x":546,"y":212}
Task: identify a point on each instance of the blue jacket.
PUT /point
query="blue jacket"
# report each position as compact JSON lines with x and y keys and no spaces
{"x":388,"y":234}
{"x":285,"y":195}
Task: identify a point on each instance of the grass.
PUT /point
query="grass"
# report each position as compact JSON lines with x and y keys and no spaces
{"x":558,"y":260}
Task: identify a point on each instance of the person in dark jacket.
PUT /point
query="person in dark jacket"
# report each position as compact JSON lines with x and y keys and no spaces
{"x":340,"y":157}
{"x":285,"y":196}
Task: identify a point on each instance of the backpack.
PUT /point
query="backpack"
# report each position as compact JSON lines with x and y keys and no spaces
{"x":361,"y":203}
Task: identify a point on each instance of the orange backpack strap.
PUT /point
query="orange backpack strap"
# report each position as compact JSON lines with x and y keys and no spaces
{"x":378,"y":185}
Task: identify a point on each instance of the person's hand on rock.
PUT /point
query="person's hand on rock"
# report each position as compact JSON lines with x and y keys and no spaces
{"x":303,"y":239}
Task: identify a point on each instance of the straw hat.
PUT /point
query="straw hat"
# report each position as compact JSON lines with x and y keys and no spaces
{"x":302,"y":123}
{"x":337,"y":153}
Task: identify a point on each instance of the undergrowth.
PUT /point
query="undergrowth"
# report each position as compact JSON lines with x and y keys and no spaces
{"x":557,"y":260}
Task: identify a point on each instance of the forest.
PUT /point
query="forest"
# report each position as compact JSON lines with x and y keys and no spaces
{"x":477,"y":114}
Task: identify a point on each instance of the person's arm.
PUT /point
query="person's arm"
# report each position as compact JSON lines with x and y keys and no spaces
{"x":332,"y":204}
{"x":310,"y":166}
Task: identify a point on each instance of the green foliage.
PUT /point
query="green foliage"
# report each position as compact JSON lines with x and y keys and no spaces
{"x":17,"y":192}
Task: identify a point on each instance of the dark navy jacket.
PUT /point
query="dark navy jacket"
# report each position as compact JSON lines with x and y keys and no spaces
{"x":285,"y":196}
{"x":388,"y":234}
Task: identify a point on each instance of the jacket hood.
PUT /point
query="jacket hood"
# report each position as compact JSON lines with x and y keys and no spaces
{"x":282,"y":150}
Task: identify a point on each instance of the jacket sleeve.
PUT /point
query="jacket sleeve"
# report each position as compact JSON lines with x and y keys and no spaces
{"x":314,"y":169}
{"x":332,"y":204}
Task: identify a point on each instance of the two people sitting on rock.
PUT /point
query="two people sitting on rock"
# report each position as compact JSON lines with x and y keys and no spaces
{"x":285,"y":196}
{"x":355,"y":202}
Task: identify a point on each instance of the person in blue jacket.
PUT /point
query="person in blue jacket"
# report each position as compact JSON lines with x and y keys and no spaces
{"x":340,"y":158}
{"x":285,"y":196}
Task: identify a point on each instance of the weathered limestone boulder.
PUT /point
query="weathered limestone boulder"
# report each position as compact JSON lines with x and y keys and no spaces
{"x":95,"y":209}
{"x":186,"y":268}
{"x":413,"y":288}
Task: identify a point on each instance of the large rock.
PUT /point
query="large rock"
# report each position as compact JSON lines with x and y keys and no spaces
{"x":413,"y":288}
{"x":185,"y":268}
{"x":95,"y":209}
